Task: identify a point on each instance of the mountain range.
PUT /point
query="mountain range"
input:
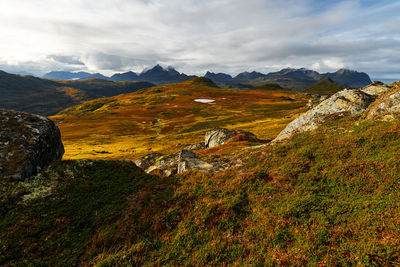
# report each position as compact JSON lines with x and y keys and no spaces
{"x":156,"y":75}
{"x":289,"y":78}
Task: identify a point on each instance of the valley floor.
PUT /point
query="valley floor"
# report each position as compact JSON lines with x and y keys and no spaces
{"x":166,"y":119}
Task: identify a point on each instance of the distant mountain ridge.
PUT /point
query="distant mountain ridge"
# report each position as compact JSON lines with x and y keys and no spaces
{"x":156,"y":75}
{"x":289,"y":78}
{"x":65,"y":75}
{"x":294,"y":79}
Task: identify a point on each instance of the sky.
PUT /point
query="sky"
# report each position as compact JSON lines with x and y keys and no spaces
{"x":195,"y":36}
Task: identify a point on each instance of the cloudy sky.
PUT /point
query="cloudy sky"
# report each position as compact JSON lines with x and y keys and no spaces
{"x":194,"y":36}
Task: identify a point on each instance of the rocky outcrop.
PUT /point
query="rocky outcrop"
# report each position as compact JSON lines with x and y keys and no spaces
{"x":167,"y":165}
{"x":148,"y":160}
{"x":28,"y":143}
{"x":185,"y":159}
{"x":220,"y":136}
{"x":188,"y":161}
{"x":377,"y":88}
{"x":197,"y":146}
{"x":316,"y":100}
{"x":386,"y":106}
{"x":345,"y":102}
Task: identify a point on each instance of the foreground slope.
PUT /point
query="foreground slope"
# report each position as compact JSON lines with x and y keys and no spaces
{"x":77,"y":209}
{"x":326,"y":197}
{"x":166,"y":118}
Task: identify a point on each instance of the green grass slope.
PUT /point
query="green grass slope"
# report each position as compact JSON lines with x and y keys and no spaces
{"x":325,"y":87}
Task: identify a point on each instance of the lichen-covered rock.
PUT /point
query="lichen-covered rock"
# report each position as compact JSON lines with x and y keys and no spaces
{"x":316,"y":100}
{"x":345,"y":102}
{"x":194,"y":147}
{"x":220,"y":136}
{"x":148,"y":160}
{"x":386,"y":106}
{"x":28,"y":143}
{"x":188,"y":161}
{"x":167,"y":165}
{"x":377,"y":88}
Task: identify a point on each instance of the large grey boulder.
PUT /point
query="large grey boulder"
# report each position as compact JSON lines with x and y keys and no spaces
{"x":28,"y":143}
{"x":345,"y":102}
{"x":220,"y":136}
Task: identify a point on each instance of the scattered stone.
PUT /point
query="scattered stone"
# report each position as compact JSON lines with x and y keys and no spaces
{"x":28,"y":144}
{"x":345,"y":102}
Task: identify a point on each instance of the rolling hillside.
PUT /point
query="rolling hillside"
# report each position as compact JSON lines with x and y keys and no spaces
{"x":325,"y":86}
{"x":167,"y":118}
{"x":47,"y":97}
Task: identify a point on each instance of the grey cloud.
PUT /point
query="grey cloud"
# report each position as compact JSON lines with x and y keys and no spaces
{"x":71,"y":60}
{"x":217,"y":35}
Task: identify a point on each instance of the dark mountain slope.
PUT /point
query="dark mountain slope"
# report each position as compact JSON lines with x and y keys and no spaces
{"x":349,"y":78}
{"x":127,"y":76}
{"x":325,"y":86}
{"x":218,"y":77}
{"x":289,"y":78}
{"x":27,"y":93}
{"x":159,"y":75}
{"x":65,"y":75}
{"x":47,"y":97}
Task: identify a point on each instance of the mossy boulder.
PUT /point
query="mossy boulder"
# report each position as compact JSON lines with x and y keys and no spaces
{"x":28,"y":143}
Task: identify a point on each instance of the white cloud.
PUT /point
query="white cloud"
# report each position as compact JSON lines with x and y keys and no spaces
{"x":333,"y":63}
{"x":195,"y":36}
